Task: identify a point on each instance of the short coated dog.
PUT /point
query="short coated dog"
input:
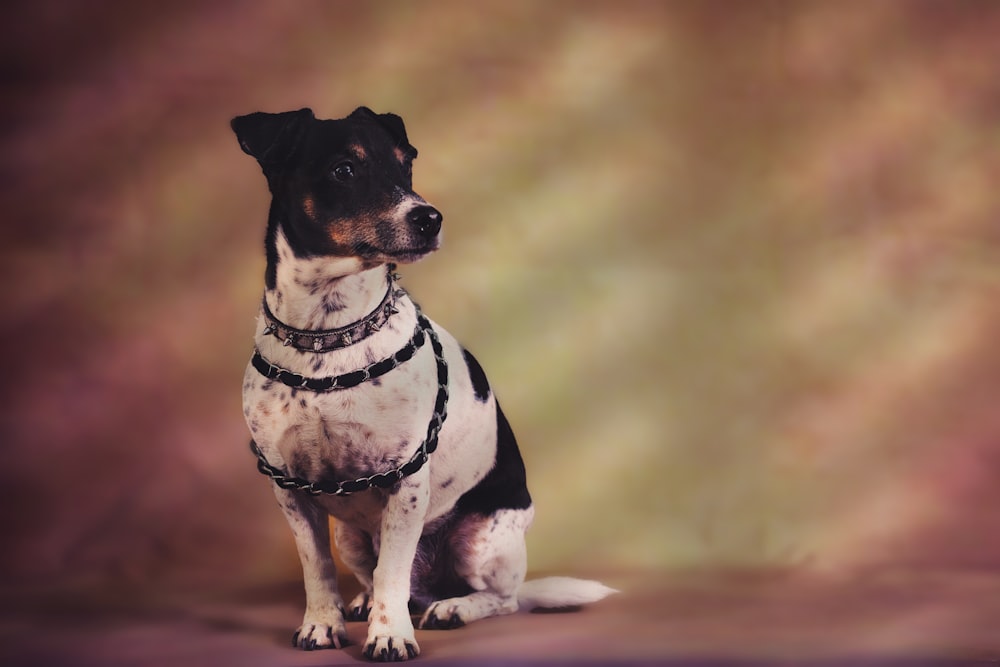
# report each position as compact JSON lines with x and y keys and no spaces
{"x":361,"y":408}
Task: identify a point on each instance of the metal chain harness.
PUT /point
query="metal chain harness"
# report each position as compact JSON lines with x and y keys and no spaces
{"x":381,"y":480}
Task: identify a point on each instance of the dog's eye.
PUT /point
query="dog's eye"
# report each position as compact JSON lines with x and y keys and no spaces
{"x":344,"y":171}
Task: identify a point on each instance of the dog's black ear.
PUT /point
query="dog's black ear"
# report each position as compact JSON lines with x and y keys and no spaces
{"x":391,"y":122}
{"x":272,"y":138}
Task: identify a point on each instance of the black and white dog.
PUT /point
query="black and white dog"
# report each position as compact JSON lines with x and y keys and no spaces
{"x":361,"y":408}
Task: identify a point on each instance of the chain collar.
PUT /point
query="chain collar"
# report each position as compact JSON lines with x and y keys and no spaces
{"x":346,"y":380}
{"x":327,"y":340}
{"x":381,"y":480}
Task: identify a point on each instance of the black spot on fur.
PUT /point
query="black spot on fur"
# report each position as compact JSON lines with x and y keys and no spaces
{"x":448,"y":482}
{"x":479,"y":382}
{"x":332,"y":304}
{"x":300,"y":464}
{"x":505,"y":485}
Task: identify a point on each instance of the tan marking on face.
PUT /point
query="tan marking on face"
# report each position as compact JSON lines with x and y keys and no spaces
{"x":309,"y":206}
{"x":340,"y":236}
{"x":346,"y":233}
{"x":400,"y":155}
{"x":358,"y":150}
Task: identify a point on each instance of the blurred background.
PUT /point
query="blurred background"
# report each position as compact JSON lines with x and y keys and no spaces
{"x":732,"y":269}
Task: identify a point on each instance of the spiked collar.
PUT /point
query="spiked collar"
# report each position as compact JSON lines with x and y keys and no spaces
{"x":326,"y":340}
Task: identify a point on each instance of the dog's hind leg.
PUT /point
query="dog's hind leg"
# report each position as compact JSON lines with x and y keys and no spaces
{"x":323,"y":623}
{"x":355,"y":548}
{"x":490,"y":555}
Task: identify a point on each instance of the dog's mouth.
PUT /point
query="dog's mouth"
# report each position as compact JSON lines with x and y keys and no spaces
{"x":398,"y":255}
{"x":410,"y":256}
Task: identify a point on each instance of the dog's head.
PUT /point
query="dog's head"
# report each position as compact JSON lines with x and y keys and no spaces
{"x":341,"y":188}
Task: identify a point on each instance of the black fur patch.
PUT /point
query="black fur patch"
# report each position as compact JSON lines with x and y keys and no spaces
{"x":479,"y":382}
{"x":505,"y":485}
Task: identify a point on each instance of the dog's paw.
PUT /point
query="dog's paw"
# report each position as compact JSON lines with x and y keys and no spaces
{"x":442,"y":615}
{"x":360,"y":607}
{"x":316,"y":636}
{"x":391,"y":649}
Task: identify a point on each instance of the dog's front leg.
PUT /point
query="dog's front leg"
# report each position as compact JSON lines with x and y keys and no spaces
{"x":323,"y":623}
{"x":390,"y":630}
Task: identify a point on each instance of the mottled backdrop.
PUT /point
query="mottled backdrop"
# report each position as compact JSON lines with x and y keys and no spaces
{"x":732,"y":268}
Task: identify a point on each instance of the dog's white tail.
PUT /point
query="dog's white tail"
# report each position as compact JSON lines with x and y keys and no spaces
{"x":557,"y":592}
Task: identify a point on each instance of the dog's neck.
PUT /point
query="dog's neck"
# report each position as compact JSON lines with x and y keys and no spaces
{"x":319,"y":293}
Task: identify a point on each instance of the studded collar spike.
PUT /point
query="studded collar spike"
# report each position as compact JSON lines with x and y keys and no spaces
{"x":327,"y":340}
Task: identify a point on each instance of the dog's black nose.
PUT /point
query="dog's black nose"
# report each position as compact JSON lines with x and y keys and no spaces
{"x":426,"y":220}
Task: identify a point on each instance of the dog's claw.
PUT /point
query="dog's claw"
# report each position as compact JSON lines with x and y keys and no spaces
{"x":433,"y":621}
{"x":316,"y":637}
{"x":360,"y":608}
{"x":384,"y":649}
{"x":452,"y":622}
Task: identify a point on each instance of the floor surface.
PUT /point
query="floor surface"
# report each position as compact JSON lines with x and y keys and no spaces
{"x":948,"y":618}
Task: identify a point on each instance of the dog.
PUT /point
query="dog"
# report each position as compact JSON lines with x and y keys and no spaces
{"x":361,"y":408}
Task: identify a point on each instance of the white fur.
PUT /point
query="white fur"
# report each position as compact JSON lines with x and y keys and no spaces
{"x":556,"y":592}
